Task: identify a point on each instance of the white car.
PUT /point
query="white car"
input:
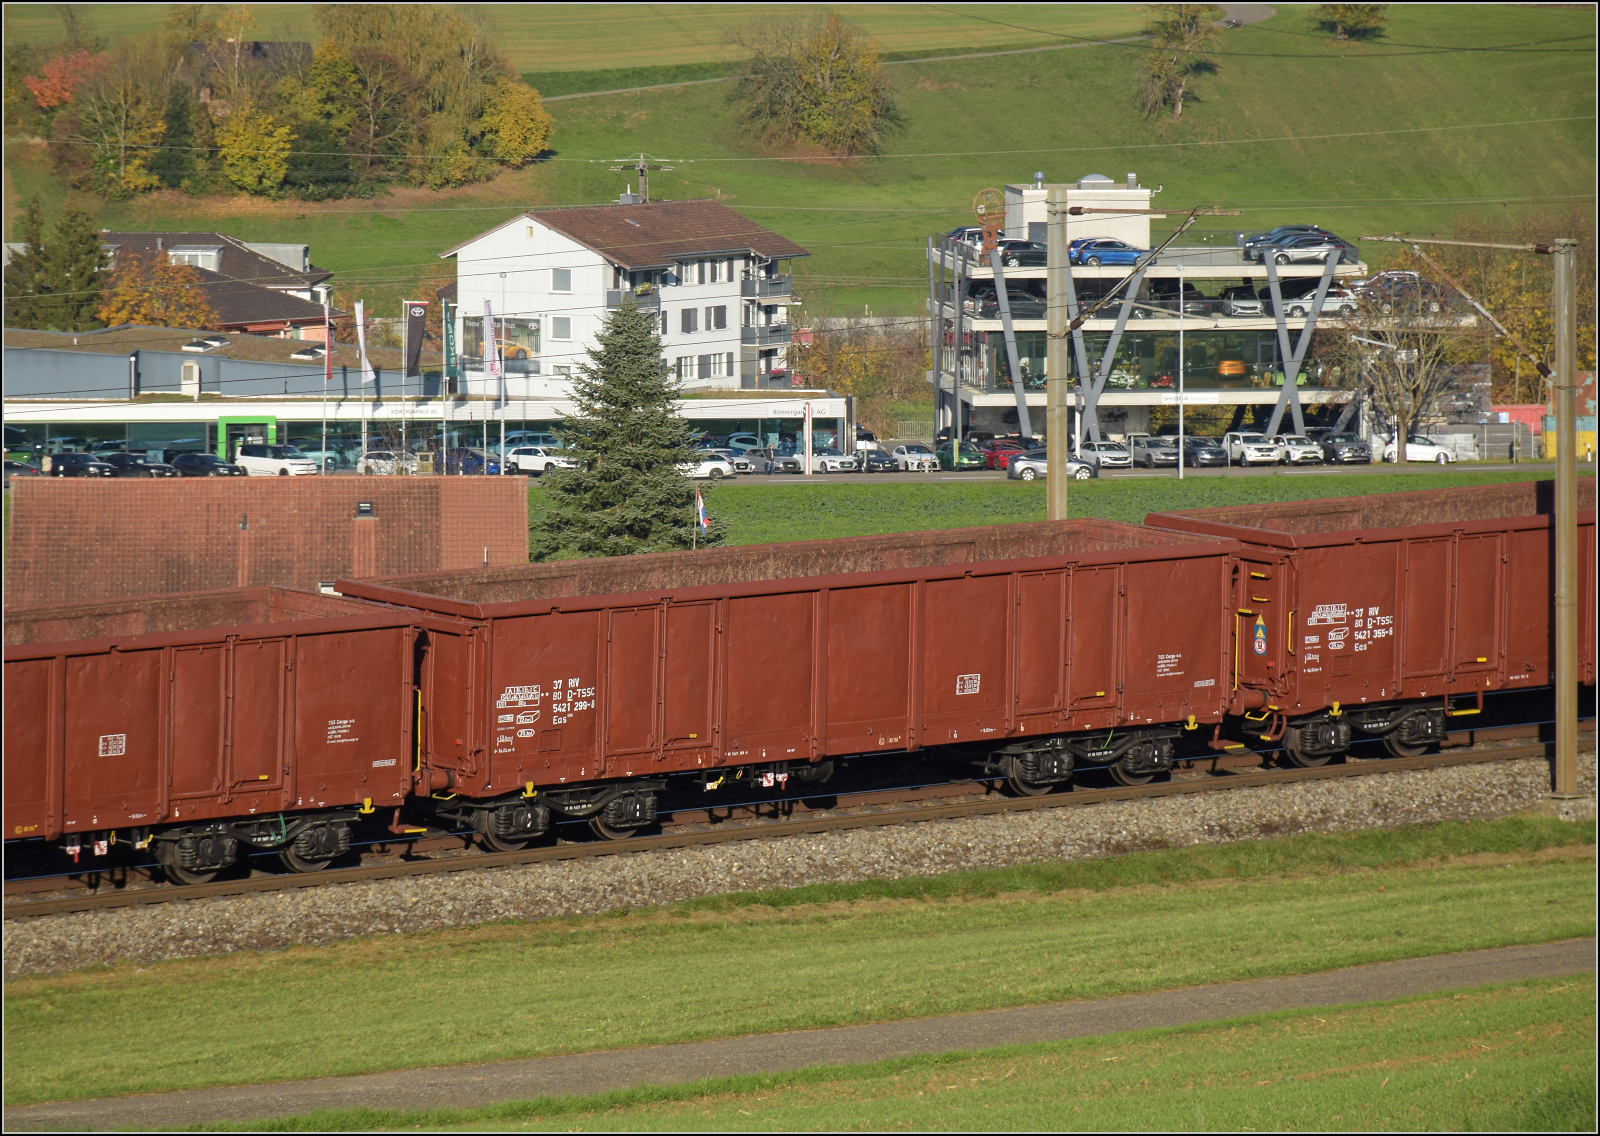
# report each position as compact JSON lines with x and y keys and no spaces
{"x":275,"y":461}
{"x":745,"y":442}
{"x":1298,"y":450}
{"x":538,"y":459}
{"x":1251,"y":449}
{"x":709,"y":466}
{"x":1106,"y":455}
{"x":386,"y":461}
{"x":826,"y":459}
{"x":1421,"y":449}
{"x":738,"y":459}
{"x":914,"y":456}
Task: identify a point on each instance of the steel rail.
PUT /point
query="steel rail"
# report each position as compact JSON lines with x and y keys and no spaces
{"x":758,"y":830}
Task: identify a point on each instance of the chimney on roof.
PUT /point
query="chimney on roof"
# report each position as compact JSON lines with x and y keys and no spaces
{"x":1038,"y":180}
{"x":1133,"y":181}
{"x":628,"y":197}
{"x":158,"y":244}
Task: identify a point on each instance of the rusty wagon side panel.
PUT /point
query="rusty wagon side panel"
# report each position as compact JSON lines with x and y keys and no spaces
{"x":588,"y":688}
{"x":243,"y":721}
{"x":1376,"y":613}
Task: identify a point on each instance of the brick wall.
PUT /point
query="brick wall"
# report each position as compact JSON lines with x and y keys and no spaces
{"x":80,"y":540}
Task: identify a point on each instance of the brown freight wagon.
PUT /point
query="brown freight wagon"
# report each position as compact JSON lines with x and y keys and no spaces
{"x":1024,"y":666}
{"x":1379,"y":625}
{"x":209,"y":743}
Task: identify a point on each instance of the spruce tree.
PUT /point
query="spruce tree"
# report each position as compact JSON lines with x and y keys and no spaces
{"x":76,"y":266}
{"x":627,"y":493}
{"x":25,"y":272}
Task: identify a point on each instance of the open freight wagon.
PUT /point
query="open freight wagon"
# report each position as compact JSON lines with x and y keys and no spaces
{"x":1097,"y":654}
{"x":209,"y":743}
{"x":1394,"y":613}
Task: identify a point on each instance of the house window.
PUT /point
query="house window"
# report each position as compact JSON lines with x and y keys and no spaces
{"x":716,"y":319}
{"x":561,"y":327}
{"x":562,"y":370}
{"x":561,"y":280}
{"x":715,"y":271}
{"x":683,"y":368}
{"x":689,"y":322}
{"x":705,"y":366}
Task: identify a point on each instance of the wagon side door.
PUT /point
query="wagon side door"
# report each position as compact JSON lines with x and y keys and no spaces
{"x":1479,"y":591}
{"x":1094,"y":639}
{"x":28,"y":756}
{"x":631,"y":699}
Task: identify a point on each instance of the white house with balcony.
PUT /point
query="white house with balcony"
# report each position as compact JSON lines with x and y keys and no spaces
{"x":717,"y":282}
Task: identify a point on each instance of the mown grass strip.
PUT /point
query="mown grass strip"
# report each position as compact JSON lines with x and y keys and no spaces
{"x":1496,"y":1058}
{"x":692,"y":972}
{"x":759,"y":513}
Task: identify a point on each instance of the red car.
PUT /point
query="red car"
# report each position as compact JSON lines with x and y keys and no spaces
{"x":998,"y":451}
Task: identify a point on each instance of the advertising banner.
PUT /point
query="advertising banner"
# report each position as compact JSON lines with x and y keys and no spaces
{"x":416,"y":315}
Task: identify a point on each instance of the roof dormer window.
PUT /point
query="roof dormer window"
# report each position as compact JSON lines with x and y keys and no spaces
{"x":200,"y":256}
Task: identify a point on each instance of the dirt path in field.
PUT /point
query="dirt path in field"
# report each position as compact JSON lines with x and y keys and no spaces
{"x":470,"y":1086}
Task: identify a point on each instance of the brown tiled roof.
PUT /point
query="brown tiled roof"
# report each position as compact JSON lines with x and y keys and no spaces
{"x":238,"y":260}
{"x":237,"y":302}
{"x":663,"y":232}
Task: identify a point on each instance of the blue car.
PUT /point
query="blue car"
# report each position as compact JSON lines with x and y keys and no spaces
{"x":1095,"y":251}
{"x":471,"y":460}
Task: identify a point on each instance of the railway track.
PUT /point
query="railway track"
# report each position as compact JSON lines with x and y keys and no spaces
{"x":870,"y":809}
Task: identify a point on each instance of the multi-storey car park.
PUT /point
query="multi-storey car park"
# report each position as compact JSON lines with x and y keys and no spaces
{"x":1237,"y":348}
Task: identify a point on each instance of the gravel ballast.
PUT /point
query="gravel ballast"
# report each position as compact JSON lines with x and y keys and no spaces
{"x":309,"y":916}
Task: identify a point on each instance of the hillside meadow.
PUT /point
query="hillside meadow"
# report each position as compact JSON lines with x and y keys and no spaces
{"x":1473,"y":110}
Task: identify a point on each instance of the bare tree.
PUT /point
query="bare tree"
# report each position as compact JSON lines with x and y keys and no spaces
{"x":1180,"y":34}
{"x":1404,"y":354}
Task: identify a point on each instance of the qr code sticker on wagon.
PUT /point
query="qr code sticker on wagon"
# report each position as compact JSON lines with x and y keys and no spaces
{"x":113,"y":745}
{"x":968,"y":684}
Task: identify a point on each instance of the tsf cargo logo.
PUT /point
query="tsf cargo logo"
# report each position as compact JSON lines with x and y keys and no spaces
{"x":1259,"y":643}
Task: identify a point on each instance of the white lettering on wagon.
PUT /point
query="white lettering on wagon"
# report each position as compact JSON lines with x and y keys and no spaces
{"x":113,"y":745}
{"x":341,"y":730}
{"x":1169,"y":666}
{"x":968,"y":684}
{"x":382,"y":762}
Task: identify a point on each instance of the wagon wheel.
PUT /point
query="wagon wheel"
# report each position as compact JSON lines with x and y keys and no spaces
{"x":1402,"y":749}
{"x":1123,"y":777}
{"x":606,"y":832}
{"x":1293,"y":755}
{"x":496,"y":843}
{"x":167,"y":853}
{"x":1021,"y":786}
{"x":297,"y":863}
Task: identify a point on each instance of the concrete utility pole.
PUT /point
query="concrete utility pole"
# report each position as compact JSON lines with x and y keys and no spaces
{"x":1564,"y":394}
{"x":1058,"y":352}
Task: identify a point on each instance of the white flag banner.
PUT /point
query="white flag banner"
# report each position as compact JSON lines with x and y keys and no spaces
{"x":491,"y":345}
{"x":367,"y":374}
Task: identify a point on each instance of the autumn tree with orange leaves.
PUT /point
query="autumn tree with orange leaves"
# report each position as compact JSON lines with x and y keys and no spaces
{"x":154,"y":291}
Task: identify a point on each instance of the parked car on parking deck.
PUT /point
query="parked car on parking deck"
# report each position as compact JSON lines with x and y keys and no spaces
{"x":1018,"y":253}
{"x":205,"y":465}
{"x":1103,"y":250}
{"x":1297,"y":449}
{"x":1151,"y":452}
{"x":914,"y":456}
{"x":1305,"y":248}
{"x":740,"y":460}
{"x":274,"y":461}
{"x":75,"y":465}
{"x":1346,"y":449}
{"x":1034,"y":465}
{"x":1106,"y":455}
{"x":1241,"y":300}
{"x":1405,"y":290}
{"x":1420,"y":448}
{"x":130,"y":466}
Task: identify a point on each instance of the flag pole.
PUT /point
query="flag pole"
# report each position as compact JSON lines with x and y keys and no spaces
{"x":327,"y":377}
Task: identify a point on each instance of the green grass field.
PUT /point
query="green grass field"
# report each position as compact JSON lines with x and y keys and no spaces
{"x":1364,"y":138}
{"x":872,"y":952}
{"x":1514,"y":1057}
{"x":765,"y":514}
